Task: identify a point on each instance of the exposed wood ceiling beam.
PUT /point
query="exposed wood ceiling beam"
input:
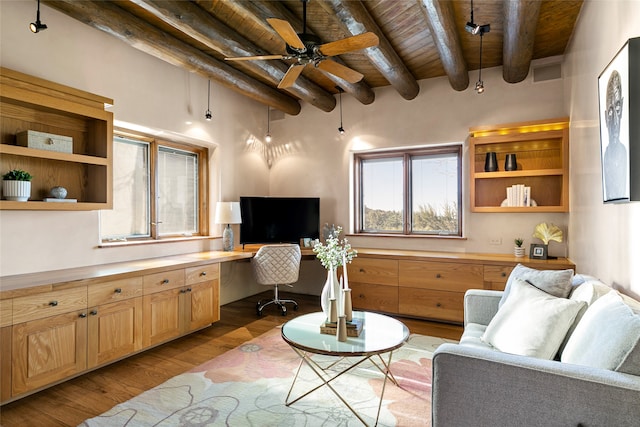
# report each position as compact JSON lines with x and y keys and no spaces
{"x":441,"y":20}
{"x":259,"y":11}
{"x":356,"y":20}
{"x":113,"y":20}
{"x":520,"y":22}
{"x":201,"y":26}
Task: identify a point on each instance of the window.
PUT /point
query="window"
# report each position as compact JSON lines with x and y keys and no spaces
{"x":158,"y":187}
{"x":409,"y":192}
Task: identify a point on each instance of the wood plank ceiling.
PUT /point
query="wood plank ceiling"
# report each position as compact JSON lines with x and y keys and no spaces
{"x":419,"y":39}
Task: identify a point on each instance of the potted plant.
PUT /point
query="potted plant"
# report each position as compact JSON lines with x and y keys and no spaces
{"x":518,"y":250}
{"x":16,"y":185}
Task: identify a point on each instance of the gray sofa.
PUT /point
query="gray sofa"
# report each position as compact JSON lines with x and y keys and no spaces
{"x":477,"y":385}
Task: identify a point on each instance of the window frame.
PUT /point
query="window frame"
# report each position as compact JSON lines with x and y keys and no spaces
{"x":202,"y":154}
{"x":406,"y":155}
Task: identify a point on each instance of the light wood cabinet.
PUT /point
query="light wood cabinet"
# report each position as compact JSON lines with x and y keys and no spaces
{"x":542,"y":153}
{"x":30,"y":103}
{"x":430,"y":285}
{"x":115,"y":320}
{"x":6,"y":315}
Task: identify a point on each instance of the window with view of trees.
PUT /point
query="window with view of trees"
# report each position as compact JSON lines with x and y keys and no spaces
{"x":157,"y":189}
{"x":409,"y":192}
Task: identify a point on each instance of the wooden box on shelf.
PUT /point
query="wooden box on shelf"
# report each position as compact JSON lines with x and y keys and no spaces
{"x":542,"y":152}
{"x":29,"y":103}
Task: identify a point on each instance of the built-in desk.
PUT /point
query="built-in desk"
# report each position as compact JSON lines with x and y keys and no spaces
{"x":58,"y":324}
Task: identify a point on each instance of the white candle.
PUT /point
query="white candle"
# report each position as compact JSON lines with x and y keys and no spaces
{"x":341,"y":300}
{"x":344,"y":271}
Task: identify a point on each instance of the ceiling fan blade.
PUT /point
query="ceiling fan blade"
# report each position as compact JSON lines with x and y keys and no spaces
{"x":346,"y":73}
{"x":286,"y":31}
{"x":249,"y":58}
{"x":290,"y":76}
{"x":339,"y":47}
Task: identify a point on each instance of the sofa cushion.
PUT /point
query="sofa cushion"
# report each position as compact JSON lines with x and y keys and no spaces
{"x":607,"y":337}
{"x":531,"y":322}
{"x":472,"y":336}
{"x":554,"y":282}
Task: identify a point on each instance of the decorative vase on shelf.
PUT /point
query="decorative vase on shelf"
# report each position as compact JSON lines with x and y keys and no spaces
{"x":327,"y":292}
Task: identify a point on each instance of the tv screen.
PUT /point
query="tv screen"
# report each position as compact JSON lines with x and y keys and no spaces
{"x":279,"y":219}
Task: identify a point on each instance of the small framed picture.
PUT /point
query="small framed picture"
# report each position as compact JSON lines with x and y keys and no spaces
{"x":306,"y":242}
{"x":538,"y":251}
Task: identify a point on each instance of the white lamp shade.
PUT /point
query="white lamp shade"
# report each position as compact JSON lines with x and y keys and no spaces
{"x":228,"y":213}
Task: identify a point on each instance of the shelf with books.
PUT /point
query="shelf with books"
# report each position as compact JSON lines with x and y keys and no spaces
{"x":541,"y":149}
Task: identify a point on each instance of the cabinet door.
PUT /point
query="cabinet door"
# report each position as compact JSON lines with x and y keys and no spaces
{"x":115,"y":330}
{"x":437,"y":305}
{"x":5,"y":363}
{"x":201,"y":302}
{"x":162,"y":313}
{"x":48,"y":350}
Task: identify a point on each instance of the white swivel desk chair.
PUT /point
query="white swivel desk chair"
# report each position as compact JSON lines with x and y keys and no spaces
{"x":275,"y":265}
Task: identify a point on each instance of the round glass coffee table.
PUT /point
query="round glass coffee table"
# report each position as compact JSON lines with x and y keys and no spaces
{"x":380,"y":335}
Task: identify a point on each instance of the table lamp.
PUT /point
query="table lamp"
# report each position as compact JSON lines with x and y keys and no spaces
{"x":228,"y":213}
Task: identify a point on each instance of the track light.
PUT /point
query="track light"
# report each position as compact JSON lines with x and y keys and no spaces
{"x":37,"y":26}
{"x":340,"y":129}
{"x":268,"y":135}
{"x":472,"y":28}
{"x":207,"y":114}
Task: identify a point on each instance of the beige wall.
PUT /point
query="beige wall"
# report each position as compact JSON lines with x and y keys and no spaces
{"x":604,"y":238}
{"x":308,"y":157}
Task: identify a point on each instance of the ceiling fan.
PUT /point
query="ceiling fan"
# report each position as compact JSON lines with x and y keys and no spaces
{"x":306,"y":49}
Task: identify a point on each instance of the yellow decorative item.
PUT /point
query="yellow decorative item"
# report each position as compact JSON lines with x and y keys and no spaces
{"x":546,"y":233}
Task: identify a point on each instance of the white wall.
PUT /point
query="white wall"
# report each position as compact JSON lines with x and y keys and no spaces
{"x":318,"y":159}
{"x":605,"y":238}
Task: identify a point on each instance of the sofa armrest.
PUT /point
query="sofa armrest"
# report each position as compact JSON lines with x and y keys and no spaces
{"x":481,"y":387}
{"x":480,"y":305}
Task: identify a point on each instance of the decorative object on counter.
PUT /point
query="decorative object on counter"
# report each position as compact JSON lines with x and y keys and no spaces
{"x":228,"y":213}
{"x":45,"y":141}
{"x":510,"y":163}
{"x":341,"y":333}
{"x":518,"y":250}
{"x":546,"y":233}
{"x":58,"y":192}
{"x":491,"y":162}
{"x":333,"y":254}
{"x":16,"y":185}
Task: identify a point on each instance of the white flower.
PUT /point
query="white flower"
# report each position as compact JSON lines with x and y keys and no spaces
{"x":334,"y":252}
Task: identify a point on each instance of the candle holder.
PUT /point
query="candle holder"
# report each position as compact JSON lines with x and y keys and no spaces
{"x":342,"y":328}
{"x":333,"y":311}
{"x":348,"y":308}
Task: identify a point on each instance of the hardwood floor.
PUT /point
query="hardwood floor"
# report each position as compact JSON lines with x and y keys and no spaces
{"x":70,"y":403}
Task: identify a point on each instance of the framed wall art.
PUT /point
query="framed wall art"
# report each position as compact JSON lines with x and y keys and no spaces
{"x":618,"y":102}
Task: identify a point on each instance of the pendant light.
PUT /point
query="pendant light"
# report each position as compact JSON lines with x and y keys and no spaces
{"x":37,"y":26}
{"x":207,"y":114}
{"x":480,"y":83}
{"x":476,"y":29}
{"x":340,"y":129}
{"x":267,"y":138}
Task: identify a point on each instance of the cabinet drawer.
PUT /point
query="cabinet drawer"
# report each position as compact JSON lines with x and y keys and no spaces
{"x":444,"y":276}
{"x":6,"y":312}
{"x":202,"y":273}
{"x":373,"y":270}
{"x":47,"y":304}
{"x":117,"y":290}
{"x":162,"y":281}
{"x":365,"y":296}
{"x":438,"y":305}
{"x":496,"y":276}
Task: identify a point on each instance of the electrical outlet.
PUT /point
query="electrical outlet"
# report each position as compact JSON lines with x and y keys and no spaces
{"x":495,"y":241}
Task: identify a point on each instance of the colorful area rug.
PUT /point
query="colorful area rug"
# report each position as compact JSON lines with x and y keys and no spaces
{"x":247,"y":386}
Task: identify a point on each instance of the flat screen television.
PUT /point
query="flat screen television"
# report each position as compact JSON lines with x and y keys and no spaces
{"x":279,"y":219}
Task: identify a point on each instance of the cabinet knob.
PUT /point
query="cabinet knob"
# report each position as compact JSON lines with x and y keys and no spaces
{"x":165,"y":281}
{"x":188,"y":289}
{"x":362,"y":270}
{"x":82,"y":315}
{"x":118,"y":290}
{"x":438,"y":305}
{"x":438,"y":276}
{"x":53,"y":303}
{"x":93,"y":312}
{"x":204,"y":273}
{"x":361,"y":296}
{"x":503,"y":274}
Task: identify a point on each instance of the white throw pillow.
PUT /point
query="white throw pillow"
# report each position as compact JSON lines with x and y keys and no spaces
{"x":554,"y":282}
{"x":531,"y":322}
{"x":607,"y":337}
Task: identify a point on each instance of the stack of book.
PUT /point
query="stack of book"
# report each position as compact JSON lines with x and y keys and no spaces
{"x":518,"y":195}
{"x":353,"y":328}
